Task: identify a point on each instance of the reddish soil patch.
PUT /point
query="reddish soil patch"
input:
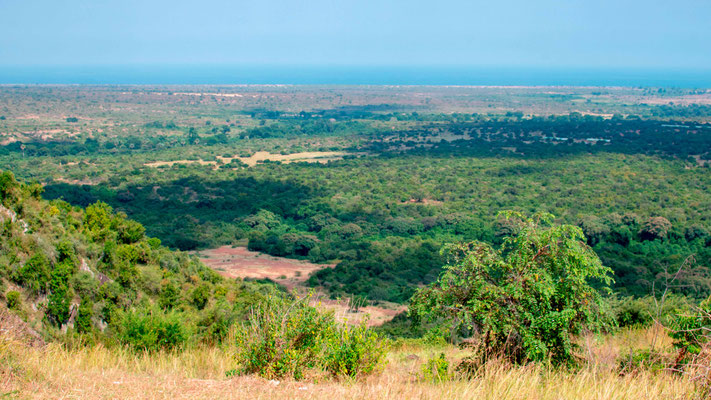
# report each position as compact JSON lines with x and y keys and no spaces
{"x":238,"y":262}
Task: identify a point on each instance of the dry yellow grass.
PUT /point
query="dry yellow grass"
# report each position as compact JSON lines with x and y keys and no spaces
{"x":199,"y":373}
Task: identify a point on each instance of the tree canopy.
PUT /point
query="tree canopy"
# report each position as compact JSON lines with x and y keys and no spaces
{"x":524,"y":299}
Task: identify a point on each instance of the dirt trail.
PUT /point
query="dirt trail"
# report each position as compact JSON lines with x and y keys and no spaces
{"x":239,"y":262}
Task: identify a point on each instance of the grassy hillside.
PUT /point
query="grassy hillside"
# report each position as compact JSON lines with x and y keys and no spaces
{"x":65,"y":269}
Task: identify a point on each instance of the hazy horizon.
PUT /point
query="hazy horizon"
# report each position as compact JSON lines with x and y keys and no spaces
{"x":354,"y":75}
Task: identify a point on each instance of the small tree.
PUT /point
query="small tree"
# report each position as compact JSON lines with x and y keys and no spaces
{"x":527,"y":298}
{"x":655,"y":228}
{"x":60,"y":297}
{"x":83,"y":322}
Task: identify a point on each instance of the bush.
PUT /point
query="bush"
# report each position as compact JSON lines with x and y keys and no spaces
{"x":282,"y":338}
{"x":641,"y":312}
{"x":151,"y":330}
{"x":14,"y":302}
{"x":525,"y":300}
{"x":655,"y":228}
{"x":200,"y":296}
{"x":34,"y":275}
{"x":289,"y":337}
{"x":692,"y":330}
{"x":353,"y":351}
{"x":59,"y":300}
{"x":214,"y":326}
{"x":169,"y":296}
{"x":436,"y":369}
{"x":83,"y":322}
{"x":633,"y":312}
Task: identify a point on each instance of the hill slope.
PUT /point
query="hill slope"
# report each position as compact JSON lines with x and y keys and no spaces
{"x":67,"y":270}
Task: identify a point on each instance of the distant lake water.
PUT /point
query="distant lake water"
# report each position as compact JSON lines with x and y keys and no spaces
{"x":323,"y":75}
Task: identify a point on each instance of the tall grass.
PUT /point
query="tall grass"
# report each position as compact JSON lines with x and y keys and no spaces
{"x":55,"y":371}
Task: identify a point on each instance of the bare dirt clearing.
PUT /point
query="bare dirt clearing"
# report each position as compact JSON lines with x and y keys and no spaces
{"x":310,"y":156}
{"x":171,"y":163}
{"x":238,"y":262}
{"x":261,"y":156}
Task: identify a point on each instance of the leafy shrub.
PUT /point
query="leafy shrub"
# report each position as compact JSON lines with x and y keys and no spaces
{"x":151,"y":330}
{"x":642,"y":359}
{"x":14,"y":302}
{"x":200,"y":296}
{"x":288,"y":337}
{"x":692,"y":330}
{"x":436,"y":369}
{"x":436,"y":336}
{"x":131,"y":231}
{"x":83,"y":323}
{"x":525,"y":299}
{"x":353,"y":351}
{"x":98,"y":220}
{"x":169,"y":296}
{"x":34,"y":275}
{"x":282,"y":338}
{"x":84,"y":284}
{"x":215,"y":324}
{"x":641,"y":312}
{"x":60,"y":296}
{"x":633,"y":312}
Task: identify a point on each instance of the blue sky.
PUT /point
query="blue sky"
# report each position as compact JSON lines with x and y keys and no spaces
{"x":514,"y":33}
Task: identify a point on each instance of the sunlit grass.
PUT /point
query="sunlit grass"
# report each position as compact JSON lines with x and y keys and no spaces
{"x":201,"y":372}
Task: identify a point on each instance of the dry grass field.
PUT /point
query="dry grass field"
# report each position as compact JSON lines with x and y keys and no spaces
{"x":97,"y":372}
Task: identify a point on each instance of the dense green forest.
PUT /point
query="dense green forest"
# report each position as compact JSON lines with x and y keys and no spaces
{"x":414,"y":174}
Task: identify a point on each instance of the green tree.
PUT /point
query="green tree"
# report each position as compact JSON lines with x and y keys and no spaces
{"x":59,"y":300}
{"x":655,"y":228}
{"x":34,"y":275}
{"x":200,"y":296}
{"x":169,"y":296}
{"x":98,"y":220}
{"x":526,"y":299}
{"x":83,"y":322}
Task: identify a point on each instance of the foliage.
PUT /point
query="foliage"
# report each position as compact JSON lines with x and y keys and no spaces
{"x":289,"y":337}
{"x":525,"y":299}
{"x":692,"y":330}
{"x":149,"y":296}
{"x":150,"y":329}
{"x":353,"y":351}
{"x":363,"y":213}
{"x":436,"y":369}
{"x":169,"y":296}
{"x":200,"y":296}
{"x":14,"y":301}
{"x":34,"y":275}
{"x":643,"y":311}
{"x":655,"y":228}
{"x":83,"y":323}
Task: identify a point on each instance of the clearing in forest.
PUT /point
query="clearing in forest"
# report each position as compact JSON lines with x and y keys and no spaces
{"x":308,"y":156}
{"x":261,"y":156}
{"x":239,"y":262}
